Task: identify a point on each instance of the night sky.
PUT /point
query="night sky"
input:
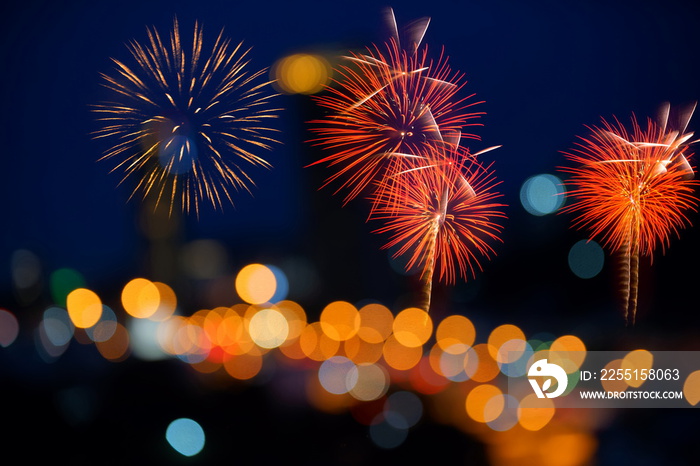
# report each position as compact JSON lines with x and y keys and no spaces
{"x":544,"y":70}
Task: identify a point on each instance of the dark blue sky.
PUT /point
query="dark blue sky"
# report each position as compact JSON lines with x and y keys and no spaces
{"x":544,"y":68}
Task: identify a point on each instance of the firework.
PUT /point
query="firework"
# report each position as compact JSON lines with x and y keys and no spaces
{"x":187,"y":122}
{"x":444,"y":218}
{"x":388,"y":107}
{"x":633,"y":190}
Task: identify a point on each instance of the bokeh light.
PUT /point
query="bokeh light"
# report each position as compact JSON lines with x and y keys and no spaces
{"x":185,"y":436}
{"x":292,"y":350}
{"x":369,"y":382}
{"x":315,"y":344}
{"x":281,"y":283}
{"x":568,"y":449}
{"x":105,"y":327}
{"x":509,"y":414}
{"x":425,"y":379}
{"x":406,"y":404}
{"x":400,"y":356}
{"x":413,"y":327}
{"x":542,"y":194}
{"x":301,"y":73}
{"x":586,"y":259}
{"x":325,"y":401}
{"x":511,"y":351}
{"x":140,"y":298}
{"x":359,"y":356}
{"x":57,"y":326}
{"x":256,"y":284}
{"x":637,"y":361}
{"x":376,"y":323}
{"x":46,"y":349}
{"x":336,"y":375}
{"x":514,"y":357}
{"x":26,"y":270}
{"x":488,"y":368}
{"x":691,"y":388}
{"x":485,"y":403}
{"x":189,"y":342}
{"x":340,"y":320}
{"x":454,"y":332}
{"x":612,"y":384}
{"x":167,"y":304}
{"x":458,"y":366}
{"x":449,"y":365}
{"x":295,"y":316}
{"x":116,"y":349}
{"x":9,"y":328}
{"x":386,"y":434}
{"x":143,"y":339}
{"x":501,"y":335}
{"x":244,"y":366}
{"x":268,"y":328}
{"x":228,"y":328}
{"x":361,"y":351}
{"x":567,"y":351}
{"x":535,"y":413}
{"x":84,"y":307}
{"x":204,"y":259}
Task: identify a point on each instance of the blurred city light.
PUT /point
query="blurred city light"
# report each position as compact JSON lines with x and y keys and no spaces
{"x":586,"y":259}
{"x":359,"y":356}
{"x":542,"y":194}
{"x":9,"y":328}
{"x":185,"y":436}
{"x":301,"y":73}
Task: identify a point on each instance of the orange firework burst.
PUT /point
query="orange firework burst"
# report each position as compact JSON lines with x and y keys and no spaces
{"x":186,"y":122}
{"x":444,"y":216}
{"x":388,"y":107}
{"x":633,"y":190}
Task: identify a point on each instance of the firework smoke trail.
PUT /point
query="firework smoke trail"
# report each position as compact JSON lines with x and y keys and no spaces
{"x":633,"y":190}
{"x":389,"y":106}
{"x":186,"y":122}
{"x":444,"y":218}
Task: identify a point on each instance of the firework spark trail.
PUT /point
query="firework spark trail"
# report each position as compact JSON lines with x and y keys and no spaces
{"x":444,"y":219}
{"x":387,"y":108}
{"x":633,"y":190}
{"x":412,"y":34}
{"x":186,"y":124}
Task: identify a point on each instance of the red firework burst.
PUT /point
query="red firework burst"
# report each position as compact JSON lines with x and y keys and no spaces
{"x":633,"y":189}
{"x":388,"y":107}
{"x":444,"y":216}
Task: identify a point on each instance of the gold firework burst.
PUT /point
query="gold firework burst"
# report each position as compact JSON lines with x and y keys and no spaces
{"x":186,"y":123}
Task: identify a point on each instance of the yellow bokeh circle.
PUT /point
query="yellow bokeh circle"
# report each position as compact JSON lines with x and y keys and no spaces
{"x":412,"y":327}
{"x":301,"y":73}
{"x":141,"y":298}
{"x":340,"y":320}
{"x":84,"y":307}
{"x":256,"y":284}
{"x":485,"y":403}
